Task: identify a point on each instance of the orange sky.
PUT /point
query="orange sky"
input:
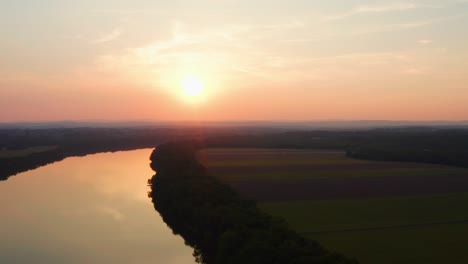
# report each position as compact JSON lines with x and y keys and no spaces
{"x":300,"y":60}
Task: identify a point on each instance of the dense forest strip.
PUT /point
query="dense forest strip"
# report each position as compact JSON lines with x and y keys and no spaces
{"x":222,"y":227}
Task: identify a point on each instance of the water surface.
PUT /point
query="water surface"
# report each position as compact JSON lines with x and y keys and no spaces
{"x":91,"y":209}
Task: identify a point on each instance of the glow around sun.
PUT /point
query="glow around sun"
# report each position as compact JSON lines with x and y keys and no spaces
{"x":192,"y":86}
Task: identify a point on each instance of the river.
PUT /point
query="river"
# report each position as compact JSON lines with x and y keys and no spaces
{"x":91,"y":209}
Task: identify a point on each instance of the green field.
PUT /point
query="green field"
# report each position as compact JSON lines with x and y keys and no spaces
{"x":411,"y":229}
{"x":17,"y":153}
{"x":423,"y":245}
{"x":329,"y":215}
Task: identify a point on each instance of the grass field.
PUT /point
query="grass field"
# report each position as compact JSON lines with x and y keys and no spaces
{"x":422,"y":245}
{"x":25,"y":152}
{"x":378,"y":212}
{"x":315,"y":216}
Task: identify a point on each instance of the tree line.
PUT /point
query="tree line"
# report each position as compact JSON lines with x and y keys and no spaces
{"x":221,"y":226}
{"x":428,"y":145}
{"x":444,"y":147}
{"x":423,"y":145}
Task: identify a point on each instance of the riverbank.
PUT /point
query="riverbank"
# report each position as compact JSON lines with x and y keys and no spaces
{"x":10,"y":166}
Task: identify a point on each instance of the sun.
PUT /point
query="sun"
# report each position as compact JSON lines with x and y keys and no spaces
{"x":192,"y":86}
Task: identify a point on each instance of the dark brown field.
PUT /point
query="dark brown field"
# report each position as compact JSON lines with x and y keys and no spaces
{"x":285,"y":175}
{"x":325,"y":189}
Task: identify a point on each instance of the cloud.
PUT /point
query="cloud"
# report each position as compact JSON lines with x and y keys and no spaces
{"x":115,"y":34}
{"x":112,"y":212}
{"x":385,"y":8}
{"x":416,"y":71}
{"x":401,"y":26}
{"x":215,"y":51}
{"x":368,"y":9}
{"x":425,"y":41}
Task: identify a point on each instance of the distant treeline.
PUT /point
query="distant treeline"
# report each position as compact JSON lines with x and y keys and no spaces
{"x":222,"y":227}
{"x":446,"y":147}
{"x":83,"y":141}
{"x":14,"y":165}
{"x":437,"y":146}
{"x":73,"y":142}
{"x":429,"y":145}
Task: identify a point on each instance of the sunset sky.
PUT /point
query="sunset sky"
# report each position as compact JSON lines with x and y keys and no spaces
{"x":257,"y":60}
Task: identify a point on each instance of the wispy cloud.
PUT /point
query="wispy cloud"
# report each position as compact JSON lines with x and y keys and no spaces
{"x":416,"y":70}
{"x":112,"y":212}
{"x":402,"y":26}
{"x":367,"y":9}
{"x":115,"y":34}
{"x":425,"y":41}
{"x":385,"y":8}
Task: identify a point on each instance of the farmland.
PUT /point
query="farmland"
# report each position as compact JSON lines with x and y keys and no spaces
{"x":378,"y":212}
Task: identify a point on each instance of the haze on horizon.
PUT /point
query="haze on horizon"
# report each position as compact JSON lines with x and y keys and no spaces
{"x":258,"y":60}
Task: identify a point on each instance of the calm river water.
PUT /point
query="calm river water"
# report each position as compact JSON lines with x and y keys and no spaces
{"x":91,"y":209}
